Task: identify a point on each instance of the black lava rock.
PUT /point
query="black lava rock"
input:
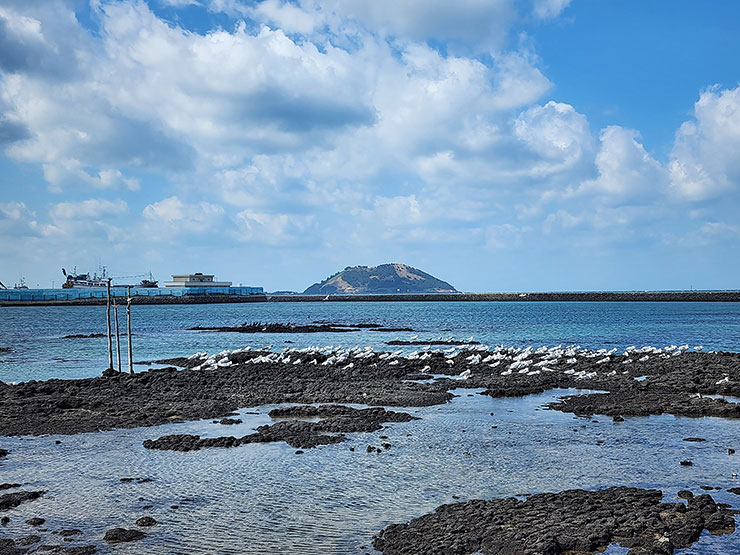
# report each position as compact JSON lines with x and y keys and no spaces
{"x":120,"y":535}
{"x":146,"y":521}
{"x":12,"y":500}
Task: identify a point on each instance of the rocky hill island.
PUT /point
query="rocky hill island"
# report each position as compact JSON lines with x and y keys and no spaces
{"x":384,"y":279}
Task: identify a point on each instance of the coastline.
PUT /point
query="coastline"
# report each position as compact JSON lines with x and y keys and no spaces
{"x":318,"y":391}
{"x":586,"y":296}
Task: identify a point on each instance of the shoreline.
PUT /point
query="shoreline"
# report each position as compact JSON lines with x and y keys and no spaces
{"x":600,"y":296}
{"x":639,"y":382}
{"x":323,"y":382}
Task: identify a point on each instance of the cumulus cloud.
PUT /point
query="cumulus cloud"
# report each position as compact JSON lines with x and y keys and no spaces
{"x":556,"y":134}
{"x":548,"y":9}
{"x":626,"y":171}
{"x":704,"y":161}
{"x":17,"y":220}
{"x":340,"y":123}
{"x":273,"y":229}
{"x":186,"y":218}
{"x":398,"y":211}
{"x":92,"y":209}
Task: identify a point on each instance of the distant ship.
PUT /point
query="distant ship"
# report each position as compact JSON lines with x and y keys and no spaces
{"x":94,"y":281}
{"x":21,"y":285}
{"x":85,"y":281}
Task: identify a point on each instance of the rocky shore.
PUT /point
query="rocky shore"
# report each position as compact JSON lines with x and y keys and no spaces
{"x":638,"y":382}
{"x":200,"y":391}
{"x":335,"y":421}
{"x":318,"y":327}
{"x":635,"y":382}
{"x":574,"y":521}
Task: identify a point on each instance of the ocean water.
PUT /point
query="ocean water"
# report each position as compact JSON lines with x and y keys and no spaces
{"x":265,"y":498}
{"x":35,"y":334}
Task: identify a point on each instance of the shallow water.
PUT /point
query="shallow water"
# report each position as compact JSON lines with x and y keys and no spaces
{"x":39,"y":352}
{"x":263,"y":498}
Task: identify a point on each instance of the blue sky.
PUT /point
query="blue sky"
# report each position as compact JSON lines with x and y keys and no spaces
{"x":500,"y":145}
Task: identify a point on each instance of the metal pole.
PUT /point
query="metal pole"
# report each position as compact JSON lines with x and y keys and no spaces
{"x":118,"y":336}
{"x":110,"y":339}
{"x":128,"y":325}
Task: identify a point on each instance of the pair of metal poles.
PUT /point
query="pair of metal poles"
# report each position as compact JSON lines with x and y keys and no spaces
{"x":118,"y":335}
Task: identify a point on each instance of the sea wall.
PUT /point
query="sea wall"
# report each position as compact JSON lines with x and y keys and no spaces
{"x":641,"y":296}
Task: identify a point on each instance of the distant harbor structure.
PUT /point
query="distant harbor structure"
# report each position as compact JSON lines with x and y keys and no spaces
{"x":197,"y":279}
{"x":190,"y":287}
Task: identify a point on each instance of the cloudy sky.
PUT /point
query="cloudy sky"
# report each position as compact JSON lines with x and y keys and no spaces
{"x":500,"y":145}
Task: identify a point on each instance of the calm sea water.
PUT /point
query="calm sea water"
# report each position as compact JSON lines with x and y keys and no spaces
{"x":267,"y":499}
{"x":35,"y":334}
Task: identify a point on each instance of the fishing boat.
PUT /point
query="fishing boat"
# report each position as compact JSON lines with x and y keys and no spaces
{"x":85,"y":281}
{"x":21,"y":285}
{"x":95,"y":280}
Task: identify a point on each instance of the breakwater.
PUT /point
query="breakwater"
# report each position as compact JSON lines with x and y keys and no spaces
{"x":587,"y":296}
{"x":592,"y":296}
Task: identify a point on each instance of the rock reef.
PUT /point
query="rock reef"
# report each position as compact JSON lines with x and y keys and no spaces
{"x":573,"y":521}
{"x":336,"y":420}
{"x":12,"y":500}
{"x":214,"y":386}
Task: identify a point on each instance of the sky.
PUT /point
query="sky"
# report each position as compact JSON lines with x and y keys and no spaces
{"x":500,"y":145}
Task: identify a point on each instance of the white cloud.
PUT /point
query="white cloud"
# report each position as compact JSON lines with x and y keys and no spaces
{"x":549,"y":9}
{"x":288,"y":16}
{"x":179,"y":3}
{"x":398,"y":211}
{"x":704,"y":161}
{"x":17,"y":220}
{"x":91,"y":209}
{"x":286,"y":230}
{"x":177,"y":216}
{"x":479,"y":24}
{"x":505,"y":236}
{"x":557,"y":134}
{"x":626,"y":171}
{"x":340,"y":123}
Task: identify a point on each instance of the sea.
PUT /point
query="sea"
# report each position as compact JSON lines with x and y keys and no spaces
{"x":264,"y":498}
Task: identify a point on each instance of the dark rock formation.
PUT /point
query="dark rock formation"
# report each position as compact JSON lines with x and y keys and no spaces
{"x":146,"y":521}
{"x":71,"y":532}
{"x":574,"y":521}
{"x":168,"y":395}
{"x":432,"y":342}
{"x":215,"y":388}
{"x":228,"y":421}
{"x":259,"y":327}
{"x":9,"y":486}
{"x":84,"y":336}
{"x":383,"y":279}
{"x":632,"y":403}
{"x":28,"y":540}
{"x":12,"y":500}
{"x":336,"y":420}
{"x":120,"y":535}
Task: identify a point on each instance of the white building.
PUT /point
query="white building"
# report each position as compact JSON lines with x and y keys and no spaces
{"x":195,"y":280}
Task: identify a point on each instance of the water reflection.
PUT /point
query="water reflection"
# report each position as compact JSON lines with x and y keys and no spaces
{"x":262,"y":498}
